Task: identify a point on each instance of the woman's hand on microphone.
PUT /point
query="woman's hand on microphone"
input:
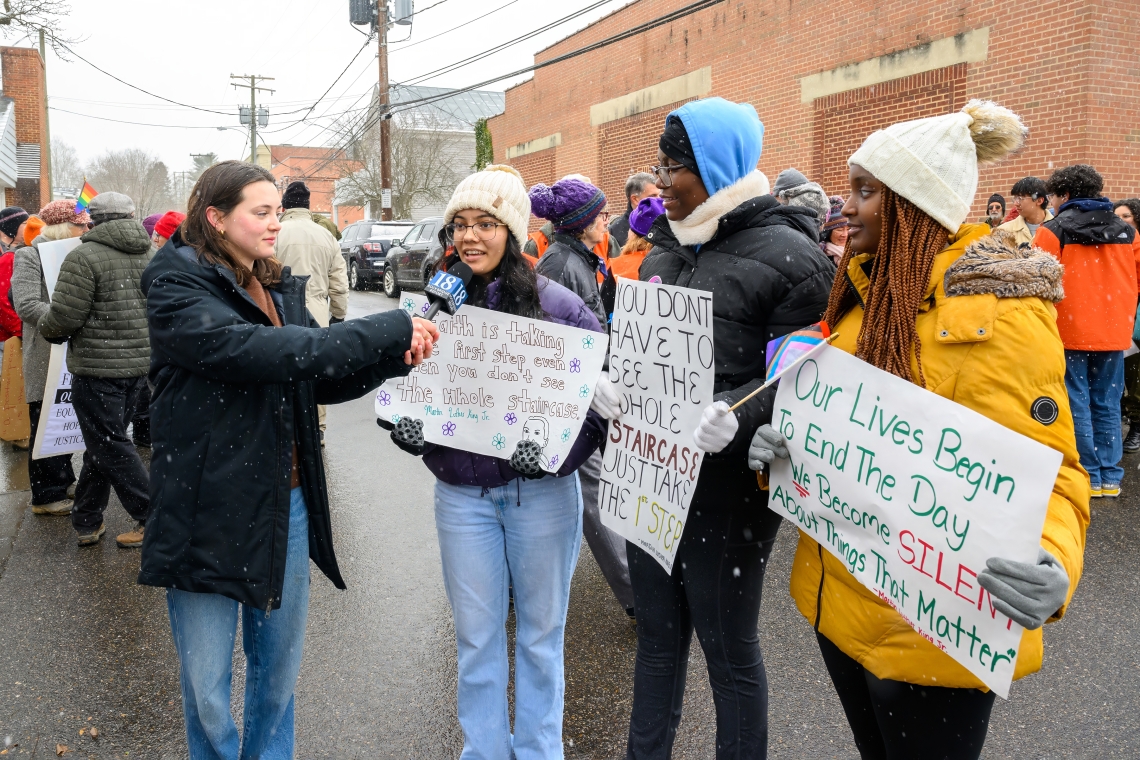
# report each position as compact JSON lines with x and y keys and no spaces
{"x":424,"y":336}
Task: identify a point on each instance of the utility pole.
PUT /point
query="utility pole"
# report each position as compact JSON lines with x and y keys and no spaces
{"x":254,"y":80}
{"x":385,"y":117}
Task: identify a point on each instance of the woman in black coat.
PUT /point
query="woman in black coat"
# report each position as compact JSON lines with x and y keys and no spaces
{"x":721,"y":233}
{"x":237,"y":485}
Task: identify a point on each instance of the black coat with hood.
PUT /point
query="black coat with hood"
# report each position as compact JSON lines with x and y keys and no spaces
{"x":232,"y":393}
{"x":761,"y":262}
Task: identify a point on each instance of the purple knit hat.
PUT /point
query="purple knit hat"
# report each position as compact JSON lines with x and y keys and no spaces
{"x":150,"y":221}
{"x":646,"y":213}
{"x":835,"y":217}
{"x":571,"y":204}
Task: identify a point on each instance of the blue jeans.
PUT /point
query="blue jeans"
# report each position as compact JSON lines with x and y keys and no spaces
{"x":526,"y":533}
{"x":204,"y":628}
{"x":1095,"y":380}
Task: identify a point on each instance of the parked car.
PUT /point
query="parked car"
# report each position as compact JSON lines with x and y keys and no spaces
{"x":409,"y":262}
{"x":364,"y":246}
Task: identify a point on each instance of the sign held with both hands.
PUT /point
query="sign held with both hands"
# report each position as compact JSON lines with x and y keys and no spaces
{"x":913,"y":493}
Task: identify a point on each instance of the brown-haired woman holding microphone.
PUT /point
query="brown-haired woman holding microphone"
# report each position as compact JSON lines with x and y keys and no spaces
{"x":237,"y":485}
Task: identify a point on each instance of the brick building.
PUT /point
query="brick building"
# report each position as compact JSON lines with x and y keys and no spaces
{"x":319,"y":169}
{"x":823,"y":75}
{"x":24,"y":107}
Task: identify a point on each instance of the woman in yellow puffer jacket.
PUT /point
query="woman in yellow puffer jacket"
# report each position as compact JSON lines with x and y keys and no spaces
{"x":964,"y":314}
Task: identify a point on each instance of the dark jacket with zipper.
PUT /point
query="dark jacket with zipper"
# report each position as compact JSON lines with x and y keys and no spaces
{"x":573,"y":266}
{"x":768,"y":278}
{"x":232,"y":393}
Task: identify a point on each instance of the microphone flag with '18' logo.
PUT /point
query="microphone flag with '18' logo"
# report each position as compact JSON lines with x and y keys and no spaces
{"x":447,"y":291}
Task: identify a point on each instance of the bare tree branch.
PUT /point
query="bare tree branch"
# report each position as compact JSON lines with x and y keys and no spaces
{"x":136,"y":173}
{"x":27,"y":17}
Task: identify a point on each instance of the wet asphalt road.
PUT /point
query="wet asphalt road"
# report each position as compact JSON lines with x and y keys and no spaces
{"x":82,"y":645}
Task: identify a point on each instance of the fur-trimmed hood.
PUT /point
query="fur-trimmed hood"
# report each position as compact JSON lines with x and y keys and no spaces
{"x":701,"y":225}
{"x":994,"y":264}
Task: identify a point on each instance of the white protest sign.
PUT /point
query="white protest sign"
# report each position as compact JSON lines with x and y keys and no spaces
{"x":913,"y":493}
{"x":661,"y":357}
{"x":52,"y":254}
{"x":57,"y":431}
{"x":495,"y":379}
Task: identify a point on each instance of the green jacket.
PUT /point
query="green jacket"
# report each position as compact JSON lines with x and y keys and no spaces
{"x":98,"y":305}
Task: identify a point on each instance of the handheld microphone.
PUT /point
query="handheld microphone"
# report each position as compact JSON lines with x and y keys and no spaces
{"x":447,"y":291}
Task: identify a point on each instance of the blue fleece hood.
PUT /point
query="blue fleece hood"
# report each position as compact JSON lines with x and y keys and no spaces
{"x":727,"y":139}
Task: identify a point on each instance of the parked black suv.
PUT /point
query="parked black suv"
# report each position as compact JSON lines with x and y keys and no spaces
{"x":364,"y":245}
{"x":410,"y":261}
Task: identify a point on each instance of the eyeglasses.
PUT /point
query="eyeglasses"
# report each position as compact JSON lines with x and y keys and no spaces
{"x":483,"y":230}
{"x":664,"y":174}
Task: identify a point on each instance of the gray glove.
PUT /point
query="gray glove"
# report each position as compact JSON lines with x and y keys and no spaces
{"x":766,"y":445}
{"x":409,"y":435}
{"x":526,"y":460}
{"x":1026,"y":594}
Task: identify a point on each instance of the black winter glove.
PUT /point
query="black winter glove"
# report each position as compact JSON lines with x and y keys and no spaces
{"x":409,"y":435}
{"x":526,"y":460}
{"x":385,"y":424}
{"x":335,"y":320}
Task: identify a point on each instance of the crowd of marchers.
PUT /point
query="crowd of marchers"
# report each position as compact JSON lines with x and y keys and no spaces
{"x":230,"y":324}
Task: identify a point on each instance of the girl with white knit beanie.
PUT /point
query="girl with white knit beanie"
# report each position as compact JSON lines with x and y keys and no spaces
{"x":505,"y":523}
{"x":965,"y":315}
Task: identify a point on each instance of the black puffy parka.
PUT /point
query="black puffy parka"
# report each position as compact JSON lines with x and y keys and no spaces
{"x":231,"y":395}
{"x":768,"y":277}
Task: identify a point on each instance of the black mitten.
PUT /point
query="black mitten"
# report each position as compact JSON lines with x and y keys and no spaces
{"x":385,"y":424}
{"x":526,"y":460}
{"x":409,"y":435}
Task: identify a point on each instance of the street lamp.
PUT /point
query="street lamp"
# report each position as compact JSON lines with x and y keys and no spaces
{"x":239,"y":129}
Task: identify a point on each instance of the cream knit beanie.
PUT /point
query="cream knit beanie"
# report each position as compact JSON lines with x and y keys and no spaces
{"x":933,"y":162}
{"x":498,"y":190}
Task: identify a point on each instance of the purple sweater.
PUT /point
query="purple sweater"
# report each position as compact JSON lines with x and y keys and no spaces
{"x":464,"y":468}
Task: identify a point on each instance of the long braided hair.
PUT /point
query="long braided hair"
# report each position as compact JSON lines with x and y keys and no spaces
{"x":900,"y":272}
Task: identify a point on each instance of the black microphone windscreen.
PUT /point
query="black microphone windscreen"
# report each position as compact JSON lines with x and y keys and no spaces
{"x":462,"y":271}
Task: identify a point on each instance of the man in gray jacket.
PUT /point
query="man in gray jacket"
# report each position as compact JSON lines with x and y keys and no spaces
{"x":99,"y":308}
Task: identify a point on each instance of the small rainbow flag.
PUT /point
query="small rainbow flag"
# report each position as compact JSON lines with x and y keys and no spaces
{"x":85,"y":196}
{"x":785,"y":351}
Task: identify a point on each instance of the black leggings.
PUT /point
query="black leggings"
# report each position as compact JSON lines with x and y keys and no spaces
{"x":715,"y":587}
{"x":893,"y":720}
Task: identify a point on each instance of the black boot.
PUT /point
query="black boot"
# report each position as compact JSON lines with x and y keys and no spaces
{"x":1132,"y":440}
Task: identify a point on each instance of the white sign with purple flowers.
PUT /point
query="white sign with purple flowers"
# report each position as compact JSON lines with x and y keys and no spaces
{"x":495,"y":379}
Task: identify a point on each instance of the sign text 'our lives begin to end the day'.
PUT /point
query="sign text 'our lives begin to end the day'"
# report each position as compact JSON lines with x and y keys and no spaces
{"x":912,"y":493}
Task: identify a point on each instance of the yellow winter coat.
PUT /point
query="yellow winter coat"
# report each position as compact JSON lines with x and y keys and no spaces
{"x":996,"y":356}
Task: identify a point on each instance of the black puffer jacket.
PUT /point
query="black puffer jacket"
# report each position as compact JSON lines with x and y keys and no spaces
{"x":573,"y":266}
{"x":231,"y":395}
{"x":768,"y":278}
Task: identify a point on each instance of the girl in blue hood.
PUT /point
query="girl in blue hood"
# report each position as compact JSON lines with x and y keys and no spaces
{"x":722,"y":233}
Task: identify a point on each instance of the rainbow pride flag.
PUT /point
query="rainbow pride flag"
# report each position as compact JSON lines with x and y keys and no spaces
{"x":85,"y":196}
{"x":784,"y":352}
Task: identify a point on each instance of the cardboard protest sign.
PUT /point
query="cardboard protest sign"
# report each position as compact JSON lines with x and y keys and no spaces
{"x":15,"y":425}
{"x":913,"y":493}
{"x":58,"y":429}
{"x":495,"y":379}
{"x":661,"y":357}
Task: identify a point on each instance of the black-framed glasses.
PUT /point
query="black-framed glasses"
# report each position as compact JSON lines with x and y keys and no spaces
{"x":664,"y":174}
{"x":483,"y":230}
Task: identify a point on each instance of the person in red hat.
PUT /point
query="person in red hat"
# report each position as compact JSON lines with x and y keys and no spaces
{"x":165,"y":227}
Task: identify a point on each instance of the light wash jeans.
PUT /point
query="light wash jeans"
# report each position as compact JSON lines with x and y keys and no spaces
{"x":204,"y":627}
{"x":526,"y":533}
{"x":1095,"y":381}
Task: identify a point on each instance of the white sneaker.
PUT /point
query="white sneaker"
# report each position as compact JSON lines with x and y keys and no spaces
{"x":61,"y":507}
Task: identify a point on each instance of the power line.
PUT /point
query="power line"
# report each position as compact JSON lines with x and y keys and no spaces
{"x":121,"y":121}
{"x":452,"y":29}
{"x":135,"y":87}
{"x":503,"y":46}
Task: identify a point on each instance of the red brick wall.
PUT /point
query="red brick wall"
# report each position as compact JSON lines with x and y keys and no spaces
{"x":843,"y":120}
{"x":627,"y":146}
{"x":537,"y":167}
{"x":23,"y":80}
{"x":1070,"y":68}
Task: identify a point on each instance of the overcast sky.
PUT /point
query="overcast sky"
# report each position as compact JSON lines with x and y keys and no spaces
{"x":187,"y":51}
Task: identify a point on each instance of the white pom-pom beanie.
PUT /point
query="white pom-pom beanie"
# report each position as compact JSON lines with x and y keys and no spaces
{"x":933,"y":162}
{"x":498,"y":190}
